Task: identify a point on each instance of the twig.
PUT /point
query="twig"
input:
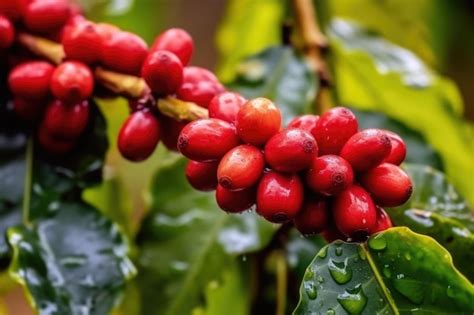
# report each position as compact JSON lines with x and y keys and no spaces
{"x":122,"y":84}
{"x":27,"y":183}
{"x":282,"y":282}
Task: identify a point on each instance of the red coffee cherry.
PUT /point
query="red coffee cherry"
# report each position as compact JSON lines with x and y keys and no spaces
{"x":225,"y":106}
{"x":7,"y":33}
{"x":383,"y":221}
{"x":194,"y":74}
{"x":354,"y":212}
{"x":235,"y":201}
{"x":331,"y":234}
{"x":333,"y":129}
{"x":313,"y":217}
{"x":202,"y":176}
{"x":53,"y":145}
{"x":82,"y":42}
{"x":257,"y":121}
{"x":291,"y":150}
{"x":206,"y":140}
{"x":329,"y":175}
{"x":106,"y":31}
{"x":171,"y":130}
{"x":163,"y":72}
{"x":241,"y":167}
{"x":124,"y":52}
{"x":30,"y":80}
{"x":139,"y":136}
{"x":10,"y":9}
{"x":388,"y":184}
{"x":177,"y":41}
{"x":279,"y":196}
{"x":28,"y":110}
{"x":366,"y":149}
{"x":46,"y":16}
{"x":399,"y":149}
{"x":72,"y":82}
{"x":66,"y":121}
{"x":200,"y":93}
{"x":305,"y":122}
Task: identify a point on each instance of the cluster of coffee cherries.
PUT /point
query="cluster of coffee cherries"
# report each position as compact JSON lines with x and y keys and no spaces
{"x":322,"y":173}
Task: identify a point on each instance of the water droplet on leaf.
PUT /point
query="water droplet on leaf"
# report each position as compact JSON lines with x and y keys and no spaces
{"x":340,"y":271}
{"x":378,"y":242}
{"x":310,"y":290}
{"x":353,"y":300}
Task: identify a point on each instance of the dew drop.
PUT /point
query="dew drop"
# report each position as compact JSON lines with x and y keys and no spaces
{"x":450,"y":292}
{"x":309,"y":274}
{"x":407,"y":256}
{"x":320,"y":279}
{"x":323,"y":252}
{"x":353,"y":300}
{"x":310,"y":290}
{"x":386,"y":271}
{"x":378,"y":242}
{"x":340,"y":271}
{"x":330,"y":311}
{"x":361,"y":252}
{"x":338,"y":251}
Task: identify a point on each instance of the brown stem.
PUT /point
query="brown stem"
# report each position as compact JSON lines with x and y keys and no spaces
{"x":314,"y":42}
{"x":43,"y":47}
{"x":181,"y":110}
{"x":122,"y":84}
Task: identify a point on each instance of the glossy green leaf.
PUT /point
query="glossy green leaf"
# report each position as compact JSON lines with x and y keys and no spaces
{"x":72,"y":262}
{"x":395,"y":272}
{"x":374,"y":74}
{"x":438,"y":210}
{"x":248,"y":27}
{"x":186,"y":242}
{"x":281,"y":75}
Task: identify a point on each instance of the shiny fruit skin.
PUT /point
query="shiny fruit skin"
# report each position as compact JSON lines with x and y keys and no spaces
{"x":241,"y":167}
{"x":333,"y":129}
{"x":235,"y":201}
{"x":305,"y":122}
{"x":279,"y":196}
{"x":171,"y":130}
{"x":383,"y":221}
{"x":7,"y":33}
{"x":28,"y":110}
{"x":139,"y":136}
{"x":31,"y":80}
{"x":72,"y":82}
{"x":399,"y":150}
{"x":206,"y":140}
{"x":202,"y":176}
{"x":163,"y":72}
{"x":177,"y":41}
{"x":82,"y":42}
{"x":291,"y":150}
{"x":200,"y":93}
{"x":331,"y":234}
{"x":366,"y":149}
{"x":225,"y":106}
{"x":195,"y":74}
{"x":388,"y":184}
{"x":66,"y":121}
{"x":354,"y":212}
{"x":313,"y":217}
{"x":124,"y":52}
{"x":329,"y":175}
{"x":46,"y":16}
{"x":53,"y":145}
{"x":257,"y":121}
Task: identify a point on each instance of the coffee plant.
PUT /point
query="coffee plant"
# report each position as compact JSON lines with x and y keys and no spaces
{"x":323,"y":169}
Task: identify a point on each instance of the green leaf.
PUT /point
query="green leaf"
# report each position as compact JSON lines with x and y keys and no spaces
{"x":438,"y":210}
{"x":247,"y":28}
{"x":73,"y":262}
{"x":396,"y":272}
{"x":281,"y":75}
{"x":374,"y":74}
{"x":186,"y":242}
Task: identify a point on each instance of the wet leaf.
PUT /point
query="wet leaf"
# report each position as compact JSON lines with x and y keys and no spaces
{"x":395,"y":272}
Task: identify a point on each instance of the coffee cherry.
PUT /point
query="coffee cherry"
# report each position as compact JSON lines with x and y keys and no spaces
{"x":279,"y":196}
{"x":200,"y":93}
{"x":399,"y":149}
{"x":139,"y":136}
{"x":329,"y":175}
{"x":30,"y":80}
{"x":10,"y":9}
{"x":172,"y":128}
{"x":66,"y":121}
{"x":163,"y":72}
{"x":354,"y":212}
{"x":383,"y":221}
{"x":177,"y":41}
{"x":313,"y":217}
{"x":388,"y":184}
{"x":46,"y":16}
{"x":257,"y":121}
{"x":235,"y":201}
{"x":331,"y":234}
{"x":82,"y":42}
{"x":291,"y":150}
{"x":366,"y":149}
{"x":225,"y":106}
{"x":194,"y":74}
{"x":202,"y":175}
{"x":53,"y":145}
{"x":124,"y":52}
{"x":333,"y":129}
{"x":7,"y":33}
{"x":206,"y":140}
{"x":241,"y":167}
{"x":28,"y":110}
{"x":305,"y":122}
{"x":72,"y":82}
